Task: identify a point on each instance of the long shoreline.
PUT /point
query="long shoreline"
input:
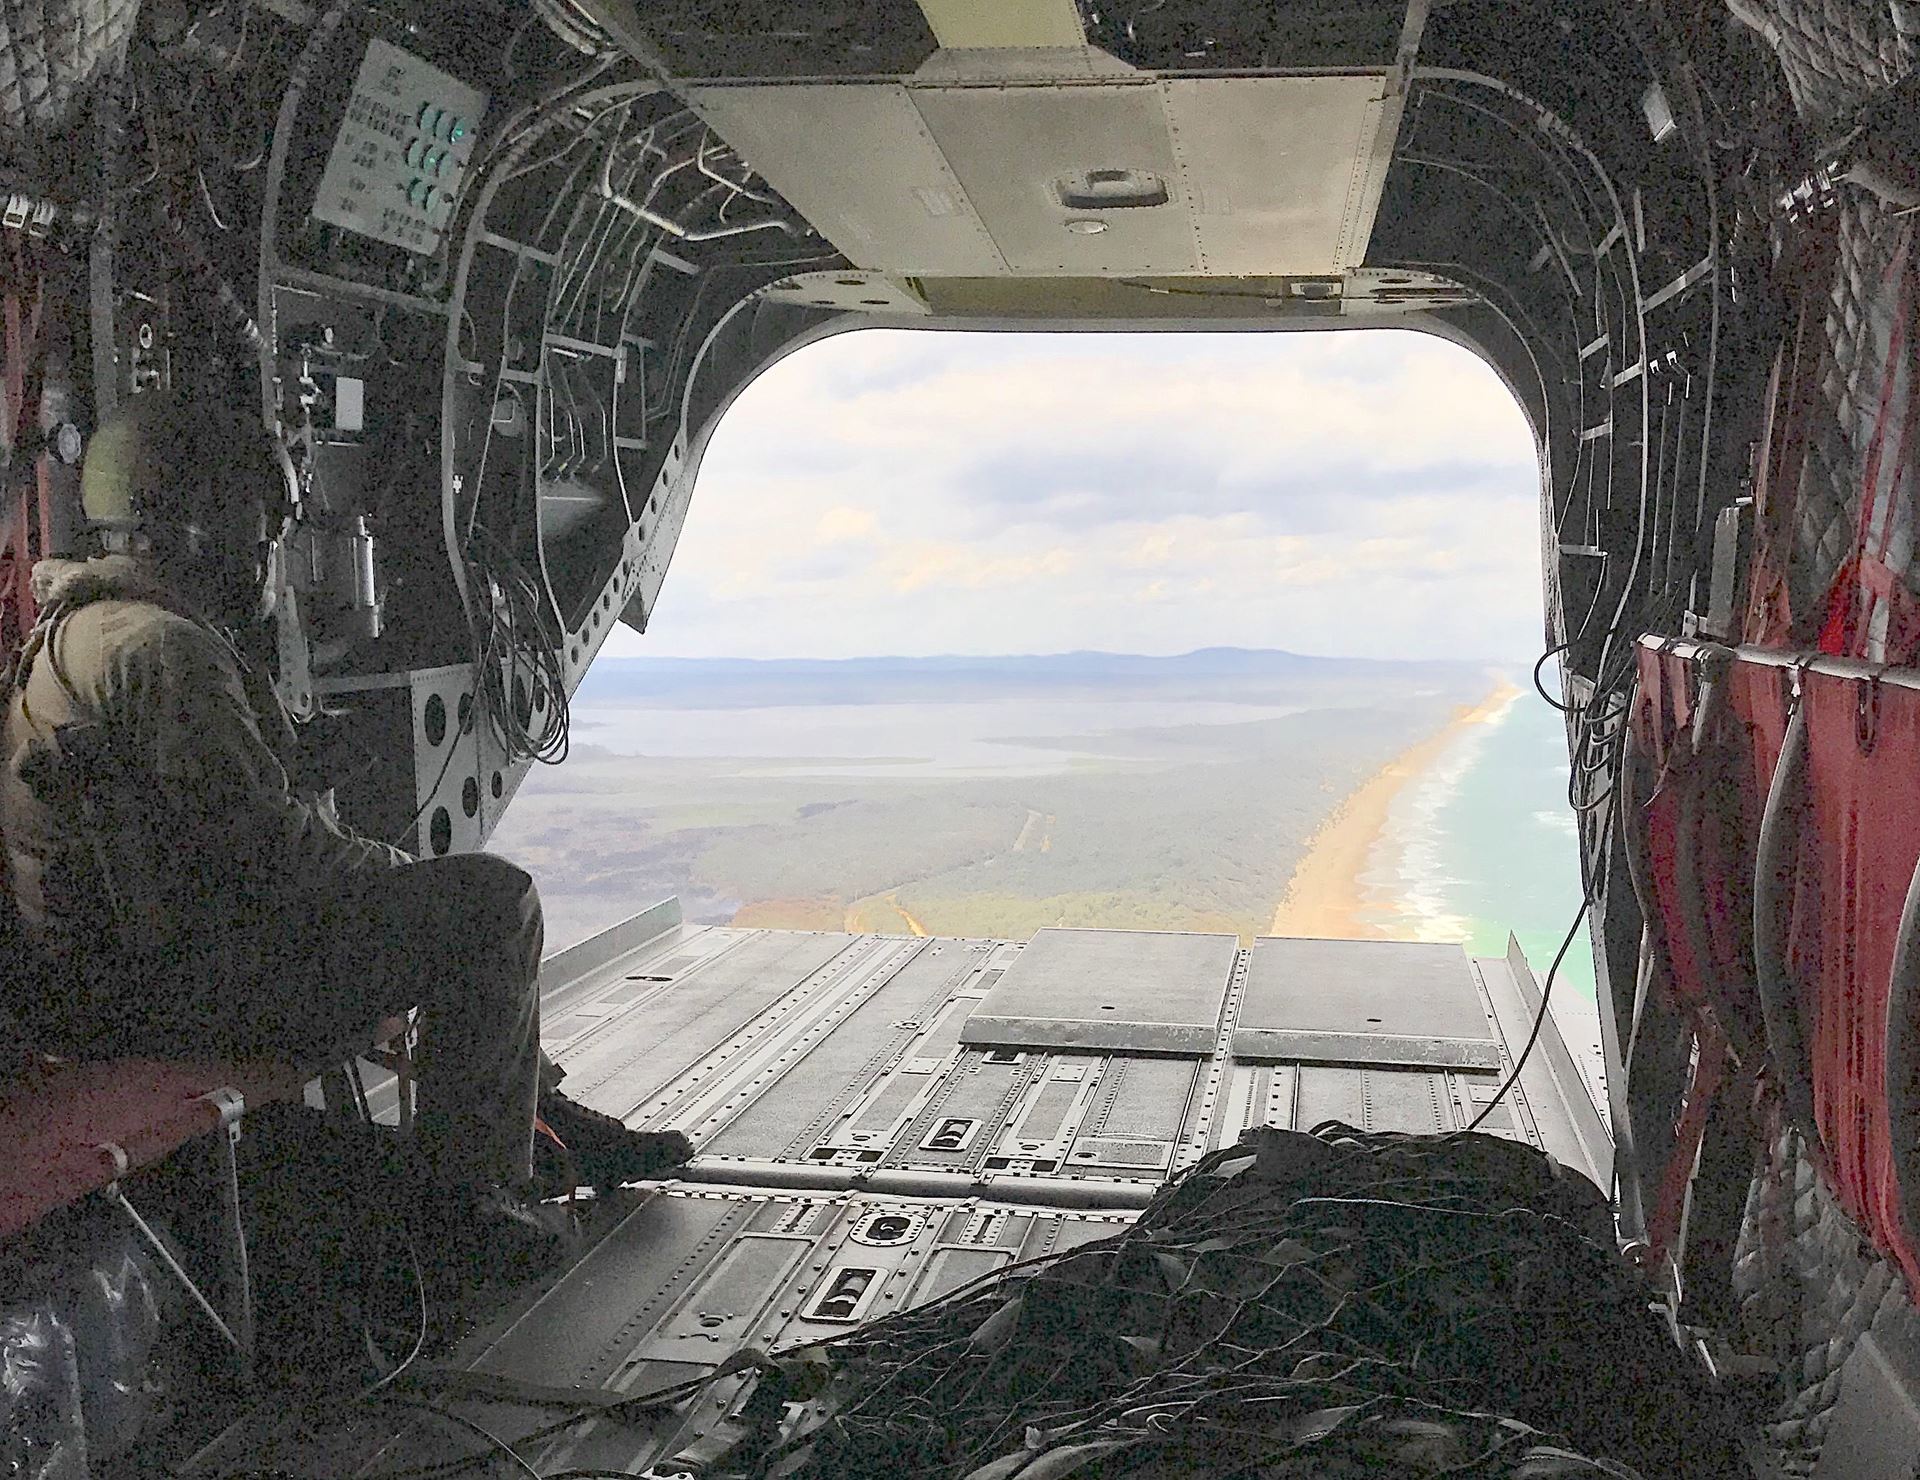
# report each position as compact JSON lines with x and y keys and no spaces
{"x":1326,"y":897}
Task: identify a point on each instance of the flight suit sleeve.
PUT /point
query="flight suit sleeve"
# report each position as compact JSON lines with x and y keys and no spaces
{"x":178,"y":693}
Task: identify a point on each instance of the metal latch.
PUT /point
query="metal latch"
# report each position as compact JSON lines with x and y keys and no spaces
{"x":231,"y":1105}
{"x":1110,"y":190}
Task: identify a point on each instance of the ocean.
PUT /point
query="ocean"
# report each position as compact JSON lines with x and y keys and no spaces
{"x":1483,"y":843}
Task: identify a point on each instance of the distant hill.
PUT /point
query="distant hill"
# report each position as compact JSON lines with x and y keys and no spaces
{"x":1224,"y":673}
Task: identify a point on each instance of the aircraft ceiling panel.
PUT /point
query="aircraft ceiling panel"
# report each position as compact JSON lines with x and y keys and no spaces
{"x":857,"y":162}
{"x":1013,"y":148}
{"x":1275,"y":169}
{"x":1257,"y":176}
{"x":1002,"y":23}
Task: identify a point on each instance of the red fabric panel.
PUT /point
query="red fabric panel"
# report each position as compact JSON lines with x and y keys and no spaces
{"x":1857,"y":853}
{"x":1759,"y":696}
{"x":55,"y":1120}
{"x":1858,"y":844}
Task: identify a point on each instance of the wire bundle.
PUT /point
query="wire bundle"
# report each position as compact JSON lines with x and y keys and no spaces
{"x":1328,"y":1305}
{"x":521,"y":674}
{"x":519,"y":677}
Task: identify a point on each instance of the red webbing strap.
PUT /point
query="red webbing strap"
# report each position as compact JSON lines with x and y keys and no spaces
{"x":1659,"y":718}
{"x":1703,"y":1085}
{"x":1697,"y":830}
{"x":1857,"y":852}
{"x":1700,"y":826}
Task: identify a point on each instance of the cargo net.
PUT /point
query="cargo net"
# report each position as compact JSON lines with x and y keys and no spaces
{"x":1835,"y":52}
{"x":1330,"y":1304}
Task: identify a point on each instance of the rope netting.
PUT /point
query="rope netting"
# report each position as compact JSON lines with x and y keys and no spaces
{"x":1332,"y":1304}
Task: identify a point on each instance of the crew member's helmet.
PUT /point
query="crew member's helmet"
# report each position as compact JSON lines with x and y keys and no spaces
{"x":184,"y":476}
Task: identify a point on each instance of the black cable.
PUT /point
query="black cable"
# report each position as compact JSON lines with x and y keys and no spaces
{"x":520,"y":609}
{"x":1553,"y":130}
{"x":532,"y":641}
{"x":497,"y":1448}
{"x":1541,"y":662}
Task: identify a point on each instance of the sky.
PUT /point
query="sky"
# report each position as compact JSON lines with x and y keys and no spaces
{"x":1364,"y":494}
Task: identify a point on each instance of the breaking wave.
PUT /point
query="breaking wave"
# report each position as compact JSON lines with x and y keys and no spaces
{"x":1409,"y":874}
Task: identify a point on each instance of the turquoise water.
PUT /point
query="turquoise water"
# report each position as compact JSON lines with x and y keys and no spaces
{"x":1483,"y":843}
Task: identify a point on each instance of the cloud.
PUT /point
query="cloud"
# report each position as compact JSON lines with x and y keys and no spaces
{"x":1372,"y":493}
{"x":842,"y":522}
{"x":924,"y":565}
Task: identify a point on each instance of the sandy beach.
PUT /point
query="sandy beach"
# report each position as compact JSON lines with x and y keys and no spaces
{"x":1325,"y":896}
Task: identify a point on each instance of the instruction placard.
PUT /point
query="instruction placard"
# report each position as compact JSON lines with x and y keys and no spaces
{"x":402,"y":151}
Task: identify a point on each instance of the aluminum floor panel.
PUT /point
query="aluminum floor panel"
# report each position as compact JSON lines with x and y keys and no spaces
{"x":955,"y":1129}
{"x":1143,"y":1099}
{"x":692,"y":1274}
{"x":1139,"y":991}
{"x":789,"y":1115}
{"x":640,"y":1050}
{"x":862,"y":1151}
{"x":1400,"y":1004}
{"x":573,"y":1338}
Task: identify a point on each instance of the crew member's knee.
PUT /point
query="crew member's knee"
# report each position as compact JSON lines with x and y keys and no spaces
{"x":485,"y":910}
{"x":487,"y":882}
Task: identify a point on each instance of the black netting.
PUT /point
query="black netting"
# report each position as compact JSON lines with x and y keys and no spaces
{"x":1834,"y":52}
{"x":1836,"y":55}
{"x":1328,"y":1305}
{"x":1809,"y":1285}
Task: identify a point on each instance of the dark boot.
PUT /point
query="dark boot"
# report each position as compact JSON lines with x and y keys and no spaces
{"x":603,"y":1151}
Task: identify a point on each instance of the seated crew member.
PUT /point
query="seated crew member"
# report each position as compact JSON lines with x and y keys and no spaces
{"x":183,"y":898}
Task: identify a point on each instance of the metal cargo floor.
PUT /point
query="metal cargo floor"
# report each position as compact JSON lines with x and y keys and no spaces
{"x":861,"y":1150}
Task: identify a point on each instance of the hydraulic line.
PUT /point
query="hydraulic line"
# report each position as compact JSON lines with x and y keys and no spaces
{"x":764,"y":197}
{"x":463,"y":266}
{"x":678,"y":229}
